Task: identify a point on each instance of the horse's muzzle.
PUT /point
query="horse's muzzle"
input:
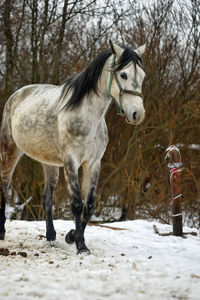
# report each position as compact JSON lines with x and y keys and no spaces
{"x":135,"y":117}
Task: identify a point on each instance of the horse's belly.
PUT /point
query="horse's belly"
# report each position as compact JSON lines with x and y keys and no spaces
{"x":37,"y":140}
{"x":43,"y":152}
{"x":46,"y":155}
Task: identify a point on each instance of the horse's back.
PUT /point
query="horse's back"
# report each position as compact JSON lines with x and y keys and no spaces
{"x":31,"y":92}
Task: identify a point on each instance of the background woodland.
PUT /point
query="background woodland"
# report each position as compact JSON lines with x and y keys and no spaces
{"x":45,"y":41}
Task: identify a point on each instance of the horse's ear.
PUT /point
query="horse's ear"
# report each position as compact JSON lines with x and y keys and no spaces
{"x":140,"y":51}
{"x":115,"y":49}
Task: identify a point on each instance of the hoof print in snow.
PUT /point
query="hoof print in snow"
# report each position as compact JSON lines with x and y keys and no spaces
{"x":4,"y":251}
{"x":23,"y":254}
{"x":41,"y":236}
{"x":134,"y":266}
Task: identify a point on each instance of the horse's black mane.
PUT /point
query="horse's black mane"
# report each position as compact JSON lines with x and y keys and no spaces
{"x":86,"y":81}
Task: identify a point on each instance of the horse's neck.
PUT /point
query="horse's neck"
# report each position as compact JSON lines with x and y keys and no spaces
{"x":99,"y":103}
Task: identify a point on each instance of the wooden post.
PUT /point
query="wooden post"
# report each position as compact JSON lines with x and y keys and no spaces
{"x":175,"y":167}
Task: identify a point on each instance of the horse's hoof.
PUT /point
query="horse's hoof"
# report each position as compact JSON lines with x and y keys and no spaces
{"x":51,"y":236}
{"x":83,"y":250}
{"x":70,"y":237}
{"x":2,"y":235}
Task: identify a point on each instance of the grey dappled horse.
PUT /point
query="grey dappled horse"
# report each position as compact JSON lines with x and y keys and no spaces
{"x":64,"y":126}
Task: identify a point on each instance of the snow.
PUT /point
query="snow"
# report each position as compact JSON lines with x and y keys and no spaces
{"x":132,"y":263}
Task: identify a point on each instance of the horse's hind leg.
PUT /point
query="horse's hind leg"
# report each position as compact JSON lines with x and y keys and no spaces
{"x":9,"y":156}
{"x":51,"y":178}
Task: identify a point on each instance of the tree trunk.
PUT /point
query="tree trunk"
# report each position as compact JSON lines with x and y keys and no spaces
{"x":56,"y":73}
{"x":9,"y":48}
{"x":34,"y":42}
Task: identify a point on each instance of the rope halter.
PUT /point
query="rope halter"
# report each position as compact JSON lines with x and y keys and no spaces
{"x":122,"y":91}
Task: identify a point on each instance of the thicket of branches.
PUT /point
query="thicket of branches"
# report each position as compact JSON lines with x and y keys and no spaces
{"x":45,"y":41}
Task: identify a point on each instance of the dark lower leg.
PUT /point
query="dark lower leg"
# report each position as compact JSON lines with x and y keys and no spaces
{"x":78,"y":234}
{"x":51,"y":174}
{"x":48,"y":201}
{"x":2,"y":215}
{"x":83,"y":220}
{"x":50,"y":231}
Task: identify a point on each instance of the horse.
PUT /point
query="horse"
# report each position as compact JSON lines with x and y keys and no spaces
{"x":64,"y":126}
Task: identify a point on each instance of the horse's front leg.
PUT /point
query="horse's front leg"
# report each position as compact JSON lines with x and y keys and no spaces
{"x":71,"y":174}
{"x":89,"y":185}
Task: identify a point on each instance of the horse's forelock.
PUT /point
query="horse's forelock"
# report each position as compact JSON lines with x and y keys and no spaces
{"x":128,"y":56}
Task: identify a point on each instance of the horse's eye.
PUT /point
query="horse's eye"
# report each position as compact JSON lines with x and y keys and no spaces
{"x":124,"y":75}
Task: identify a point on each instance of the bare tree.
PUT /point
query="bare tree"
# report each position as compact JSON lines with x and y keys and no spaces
{"x":9,"y":46}
{"x":45,"y":41}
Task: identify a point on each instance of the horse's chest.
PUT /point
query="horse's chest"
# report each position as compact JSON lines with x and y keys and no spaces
{"x":90,"y":147}
{"x":86,"y":150}
{"x":79,"y":129}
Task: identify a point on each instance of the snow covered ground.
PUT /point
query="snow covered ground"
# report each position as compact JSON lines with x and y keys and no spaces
{"x":133,"y":263}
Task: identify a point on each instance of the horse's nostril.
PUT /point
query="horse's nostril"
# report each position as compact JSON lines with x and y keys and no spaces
{"x":135,"y":116}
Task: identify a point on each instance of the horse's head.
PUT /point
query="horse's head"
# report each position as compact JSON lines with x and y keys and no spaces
{"x":125,"y":82}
